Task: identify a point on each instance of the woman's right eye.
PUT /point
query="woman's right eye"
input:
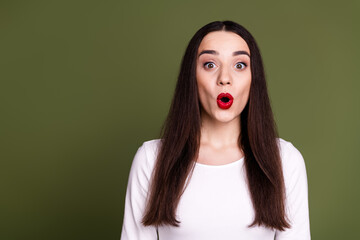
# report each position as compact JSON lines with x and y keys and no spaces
{"x":209,"y":65}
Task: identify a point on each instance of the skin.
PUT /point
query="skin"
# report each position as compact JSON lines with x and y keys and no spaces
{"x":218,"y":70}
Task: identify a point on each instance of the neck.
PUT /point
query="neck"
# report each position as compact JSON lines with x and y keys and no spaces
{"x":219,"y":134}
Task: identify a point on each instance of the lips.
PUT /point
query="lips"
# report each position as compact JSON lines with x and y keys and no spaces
{"x":224,"y":100}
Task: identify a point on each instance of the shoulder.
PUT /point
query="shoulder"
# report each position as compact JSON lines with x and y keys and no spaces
{"x":291,"y":158}
{"x":287,"y":147}
{"x":288,"y":152}
{"x":146,"y":156}
{"x":152,"y":145}
{"x":150,"y":148}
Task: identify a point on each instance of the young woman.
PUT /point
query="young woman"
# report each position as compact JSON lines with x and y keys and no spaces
{"x":219,"y":171}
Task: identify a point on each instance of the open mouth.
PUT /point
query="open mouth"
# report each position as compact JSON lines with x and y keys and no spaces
{"x":225,"y":100}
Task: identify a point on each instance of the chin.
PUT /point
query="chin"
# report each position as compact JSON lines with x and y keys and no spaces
{"x":226,"y":117}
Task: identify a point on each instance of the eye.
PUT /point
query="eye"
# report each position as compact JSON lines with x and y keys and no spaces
{"x":209,"y":65}
{"x":240,"y":65}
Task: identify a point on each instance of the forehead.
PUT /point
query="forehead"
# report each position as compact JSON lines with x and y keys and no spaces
{"x":223,"y":41}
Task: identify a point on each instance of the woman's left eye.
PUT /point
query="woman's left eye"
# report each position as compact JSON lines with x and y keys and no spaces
{"x":240,"y":65}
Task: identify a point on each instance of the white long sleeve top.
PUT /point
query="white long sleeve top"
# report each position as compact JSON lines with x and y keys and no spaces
{"x":216,"y":204}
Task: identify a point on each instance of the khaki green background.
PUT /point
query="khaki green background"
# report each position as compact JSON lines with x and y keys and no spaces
{"x":84,"y":83}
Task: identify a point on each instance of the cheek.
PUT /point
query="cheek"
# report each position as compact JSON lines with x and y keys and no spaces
{"x":247,"y":88}
{"x":245,"y":91}
{"x":203,"y":93}
{"x":203,"y":87}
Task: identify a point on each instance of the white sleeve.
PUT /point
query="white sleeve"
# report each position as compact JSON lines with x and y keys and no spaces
{"x":297,"y":207}
{"x":136,"y":194}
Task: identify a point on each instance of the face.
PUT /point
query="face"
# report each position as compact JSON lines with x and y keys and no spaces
{"x":223,"y":76}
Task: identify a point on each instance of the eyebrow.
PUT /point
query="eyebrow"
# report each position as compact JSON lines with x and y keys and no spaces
{"x":216,"y":53}
{"x":240,"y":52}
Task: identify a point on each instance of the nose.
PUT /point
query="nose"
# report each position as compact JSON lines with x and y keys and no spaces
{"x":224,"y":77}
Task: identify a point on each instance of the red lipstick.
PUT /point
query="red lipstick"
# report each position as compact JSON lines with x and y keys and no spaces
{"x":224,"y":100}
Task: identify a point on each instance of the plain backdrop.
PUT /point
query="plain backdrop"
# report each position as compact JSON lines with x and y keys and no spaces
{"x":84,"y":83}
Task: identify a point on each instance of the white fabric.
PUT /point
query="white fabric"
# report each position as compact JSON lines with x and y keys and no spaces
{"x":216,"y":204}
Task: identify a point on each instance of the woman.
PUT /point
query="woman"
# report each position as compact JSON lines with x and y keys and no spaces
{"x":219,"y":170}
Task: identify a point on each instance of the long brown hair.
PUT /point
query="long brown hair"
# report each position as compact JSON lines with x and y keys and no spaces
{"x":181,"y":138}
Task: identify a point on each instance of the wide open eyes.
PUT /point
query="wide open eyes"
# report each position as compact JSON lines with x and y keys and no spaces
{"x":211,"y":65}
{"x":240,"y":65}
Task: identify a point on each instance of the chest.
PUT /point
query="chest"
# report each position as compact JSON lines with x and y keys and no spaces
{"x":216,"y":205}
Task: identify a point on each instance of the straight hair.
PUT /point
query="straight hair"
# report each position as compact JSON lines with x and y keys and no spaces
{"x":180,"y":142}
